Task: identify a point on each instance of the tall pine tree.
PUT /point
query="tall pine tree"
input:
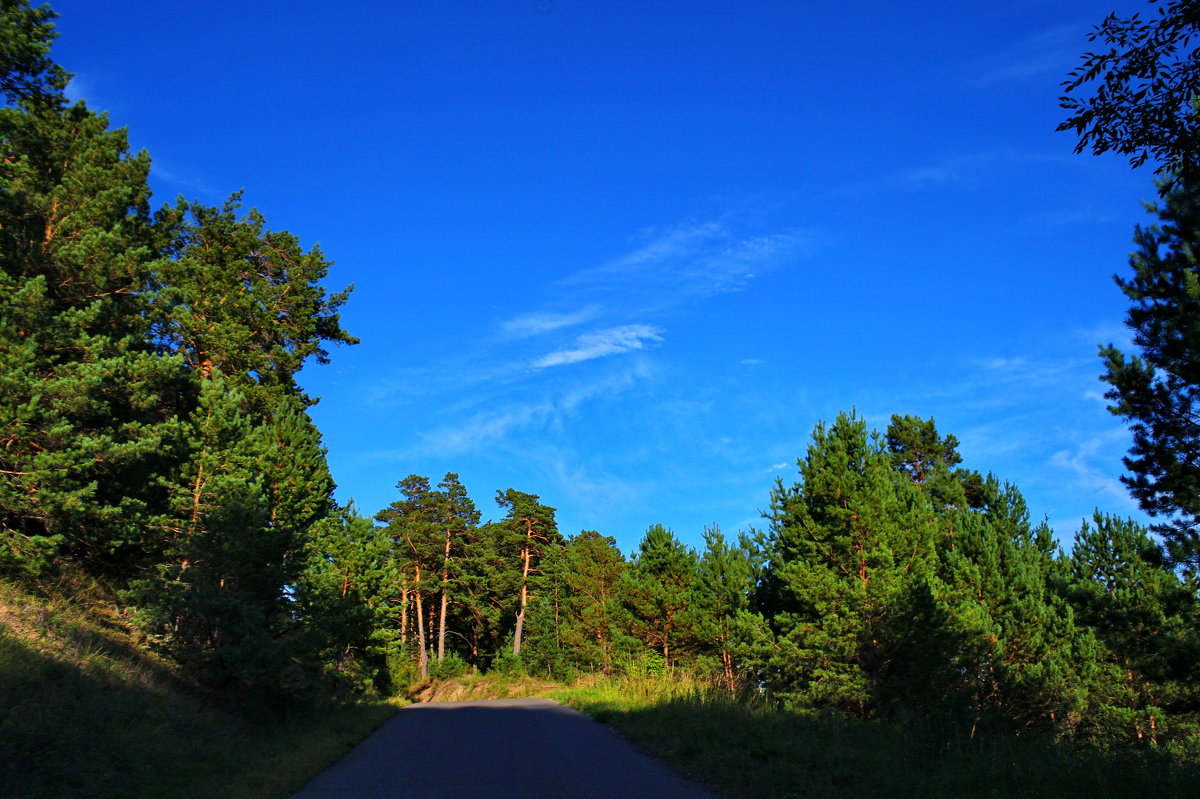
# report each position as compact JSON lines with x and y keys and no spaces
{"x":1158,"y":390}
{"x":845,"y":542}
{"x":83,"y":423}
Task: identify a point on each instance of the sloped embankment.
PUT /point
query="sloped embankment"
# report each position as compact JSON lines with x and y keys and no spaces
{"x":476,"y":687}
{"x":86,"y":710}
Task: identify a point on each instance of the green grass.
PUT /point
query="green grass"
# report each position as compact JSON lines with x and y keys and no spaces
{"x":86,"y":711}
{"x":743,"y":750}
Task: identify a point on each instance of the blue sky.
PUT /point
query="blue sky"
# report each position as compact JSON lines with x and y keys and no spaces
{"x":625,"y":255}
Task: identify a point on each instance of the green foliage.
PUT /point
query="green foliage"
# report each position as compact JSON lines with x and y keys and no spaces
{"x":27,"y":75}
{"x":725,"y":578}
{"x":930,"y":461}
{"x":153,"y":433}
{"x":1158,"y":391}
{"x":642,"y":664}
{"x":450,"y":667}
{"x":216,"y":599}
{"x":342,"y":595}
{"x":590,"y":610}
{"x":435,"y":535}
{"x":1025,"y":660}
{"x":507,"y":664}
{"x":1146,"y":79}
{"x":655,"y":591}
{"x":82,"y":425}
{"x":530,"y":532}
{"x":151,"y":428}
{"x":1145,"y":617}
{"x":239,"y":297}
{"x":845,"y":543}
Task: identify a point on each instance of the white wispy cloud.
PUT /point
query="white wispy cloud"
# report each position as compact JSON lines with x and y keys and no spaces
{"x":1115,"y":333}
{"x":77,"y":90}
{"x":588,"y":484}
{"x":602,"y":343}
{"x":964,"y":169}
{"x":535,"y":324}
{"x":668,"y":246}
{"x":548,"y":410}
{"x":1093,"y":464}
{"x":180,"y":178}
{"x":486,"y":427}
{"x":1047,"y":53}
{"x":691,"y":261}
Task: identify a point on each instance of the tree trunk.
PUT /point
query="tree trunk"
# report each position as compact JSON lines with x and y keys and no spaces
{"x":423,"y":657}
{"x":441,"y":646}
{"x":403,"y":610}
{"x":526,"y":553}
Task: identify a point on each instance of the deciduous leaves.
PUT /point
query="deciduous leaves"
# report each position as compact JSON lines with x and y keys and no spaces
{"x":1145,"y":82}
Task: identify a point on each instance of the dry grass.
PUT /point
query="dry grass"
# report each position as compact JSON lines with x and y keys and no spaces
{"x":87,"y":711}
{"x":480,"y":686}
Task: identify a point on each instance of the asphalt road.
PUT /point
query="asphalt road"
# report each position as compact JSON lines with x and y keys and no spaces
{"x":500,"y":749}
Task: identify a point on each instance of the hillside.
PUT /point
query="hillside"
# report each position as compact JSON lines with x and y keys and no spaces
{"x":86,"y":710}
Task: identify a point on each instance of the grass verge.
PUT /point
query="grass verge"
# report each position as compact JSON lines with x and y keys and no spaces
{"x":742,"y":750}
{"x":474,"y":686}
{"x":86,"y":711}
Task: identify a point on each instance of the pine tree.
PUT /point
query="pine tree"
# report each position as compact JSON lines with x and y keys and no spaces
{"x":344,"y":592}
{"x":458,"y":519}
{"x":415,"y":524}
{"x":1158,"y":391}
{"x":593,"y":566}
{"x":1146,"y":618}
{"x":931,"y":462}
{"x":82,"y":416}
{"x":725,"y":578}
{"x":488,"y":588}
{"x":655,"y":591}
{"x":1023,"y":658}
{"x":436,"y":537}
{"x":845,"y":542}
{"x":296,"y":477}
{"x":218,"y":592}
{"x":27,"y":74}
{"x":238,"y":309}
{"x":530,"y":529}
{"x":240,"y":297}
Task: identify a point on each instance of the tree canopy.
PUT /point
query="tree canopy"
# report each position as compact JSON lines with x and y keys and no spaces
{"x":1157,"y":390}
{"x":1145,"y":81}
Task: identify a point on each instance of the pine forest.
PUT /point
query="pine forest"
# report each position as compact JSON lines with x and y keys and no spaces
{"x":156,"y":447}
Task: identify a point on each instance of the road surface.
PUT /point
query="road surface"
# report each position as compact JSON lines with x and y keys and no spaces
{"x":500,"y":749}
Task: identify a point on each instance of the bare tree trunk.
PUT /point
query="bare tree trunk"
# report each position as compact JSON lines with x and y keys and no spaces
{"x":727,"y":661}
{"x":423,"y":657}
{"x":441,"y":652}
{"x":525,"y":555}
{"x":404,"y":610}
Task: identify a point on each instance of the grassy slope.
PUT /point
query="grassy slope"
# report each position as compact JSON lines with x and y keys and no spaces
{"x":85,"y":711}
{"x":744,"y":751}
